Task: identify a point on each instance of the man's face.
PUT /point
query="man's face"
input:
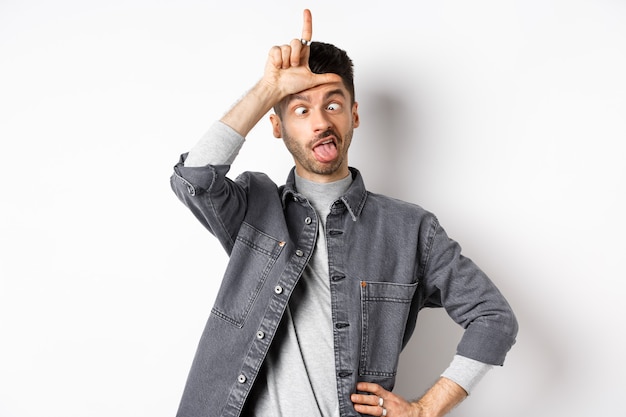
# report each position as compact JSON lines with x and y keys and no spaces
{"x":317,"y":126}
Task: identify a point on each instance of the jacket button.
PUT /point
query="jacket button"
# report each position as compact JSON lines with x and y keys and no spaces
{"x":299,"y":253}
{"x":278,"y":289}
{"x":307,"y":220}
{"x":260,"y":335}
{"x":241,"y":379}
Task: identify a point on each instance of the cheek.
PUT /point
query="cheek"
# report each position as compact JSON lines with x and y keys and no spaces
{"x":297,"y":128}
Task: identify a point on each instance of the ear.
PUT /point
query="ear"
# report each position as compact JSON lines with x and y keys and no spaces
{"x":276,"y":126}
{"x":355,"y":115}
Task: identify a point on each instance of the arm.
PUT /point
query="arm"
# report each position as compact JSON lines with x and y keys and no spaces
{"x":454,"y":282}
{"x":453,"y":386}
{"x":472,"y":300}
{"x":440,"y":399}
{"x":199,"y":179}
{"x":286,"y":72}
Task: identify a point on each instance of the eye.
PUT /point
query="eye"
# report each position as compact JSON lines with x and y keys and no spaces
{"x":333,"y":107}
{"x":299,"y":111}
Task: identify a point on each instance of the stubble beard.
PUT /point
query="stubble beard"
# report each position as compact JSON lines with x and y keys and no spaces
{"x":302,"y":153}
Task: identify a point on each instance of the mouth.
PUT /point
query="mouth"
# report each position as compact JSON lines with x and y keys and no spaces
{"x":325,"y":150}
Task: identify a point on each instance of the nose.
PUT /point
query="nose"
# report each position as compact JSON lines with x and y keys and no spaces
{"x":320,"y":121}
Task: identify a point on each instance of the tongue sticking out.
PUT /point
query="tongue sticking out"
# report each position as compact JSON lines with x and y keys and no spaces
{"x":325,"y":152}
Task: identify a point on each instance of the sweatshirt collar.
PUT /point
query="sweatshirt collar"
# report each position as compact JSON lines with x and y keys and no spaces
{"x":353,"y":199}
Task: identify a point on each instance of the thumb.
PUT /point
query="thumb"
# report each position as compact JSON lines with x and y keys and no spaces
{"x":326,"y":78}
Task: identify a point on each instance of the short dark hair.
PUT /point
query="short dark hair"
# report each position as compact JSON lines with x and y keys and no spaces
{"x":327,"y":58}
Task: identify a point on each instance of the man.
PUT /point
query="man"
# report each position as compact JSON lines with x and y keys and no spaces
{"x":325,"y":279}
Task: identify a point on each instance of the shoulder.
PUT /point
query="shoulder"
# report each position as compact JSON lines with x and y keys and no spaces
{"x":255,"y":179}
{"x":397,"y":207}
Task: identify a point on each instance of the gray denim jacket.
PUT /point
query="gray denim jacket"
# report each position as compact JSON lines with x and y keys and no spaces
{"x":387,"y":260}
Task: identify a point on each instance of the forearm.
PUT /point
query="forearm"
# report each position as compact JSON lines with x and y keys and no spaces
{"x":221,"y":143}
{"x":247,"y":112}
{"x":440,"y":399}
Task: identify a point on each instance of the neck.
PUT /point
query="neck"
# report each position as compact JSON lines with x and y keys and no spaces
{"x":337,"y":175}
{"x":322,"y":195}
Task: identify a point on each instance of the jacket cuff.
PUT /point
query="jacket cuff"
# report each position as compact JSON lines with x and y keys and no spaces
{"x":196,"y":180}
{"x":485,"y":345}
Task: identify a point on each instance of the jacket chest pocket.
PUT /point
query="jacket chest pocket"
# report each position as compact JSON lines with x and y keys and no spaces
{"x":251,"y":260}
{"x":385,"y":308}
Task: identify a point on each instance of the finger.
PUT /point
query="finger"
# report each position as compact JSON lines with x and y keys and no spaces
{"x":285,"y":51}
{"x":275,"y":56}
{"x":367,"y":410}
{"x":328,"y":78}
{"x":307,"y":26}
{"x":365,"y":399}
{"x":296,"y":52}
{"x":371,"y":387}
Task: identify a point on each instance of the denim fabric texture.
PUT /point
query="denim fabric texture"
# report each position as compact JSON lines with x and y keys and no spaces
{"x":388,"y":259}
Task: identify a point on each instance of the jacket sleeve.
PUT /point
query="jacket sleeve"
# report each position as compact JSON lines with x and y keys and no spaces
{"x":471,"y":299}
{"x":216,"y":201}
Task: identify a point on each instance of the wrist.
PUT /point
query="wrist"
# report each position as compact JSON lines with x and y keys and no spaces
{"x":267,"y":93}
{"x":423,"y":409}
{"x":442,"y":397}
{"x":417,"y":410}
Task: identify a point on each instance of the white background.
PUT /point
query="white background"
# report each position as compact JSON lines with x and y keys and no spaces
{"x":505,"y":118}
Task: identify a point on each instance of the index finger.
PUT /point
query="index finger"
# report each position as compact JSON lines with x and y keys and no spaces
{"x":307,"y":26}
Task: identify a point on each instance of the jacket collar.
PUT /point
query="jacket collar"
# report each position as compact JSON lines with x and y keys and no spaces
{"x":353,"y":199}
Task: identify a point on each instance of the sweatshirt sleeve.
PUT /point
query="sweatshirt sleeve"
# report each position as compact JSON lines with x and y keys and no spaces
{"x":466,"y":372}
{"x":218,"y":146}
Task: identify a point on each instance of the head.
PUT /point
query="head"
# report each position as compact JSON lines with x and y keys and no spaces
{"x":317,"y":124}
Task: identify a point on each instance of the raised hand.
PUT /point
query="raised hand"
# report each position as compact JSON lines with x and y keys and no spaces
{"x":286,"y":72}
{"x":287,"y":68}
